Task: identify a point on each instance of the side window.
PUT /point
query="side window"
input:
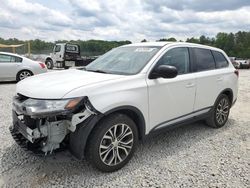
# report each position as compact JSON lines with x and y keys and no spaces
{"x":9,"y":58}
{"x":204,"y":59}
{"x":5,"y":58}
{"x":220,"y":59}
{"x":178,"y":57}
{"x":18,"y":59}
{"x":57,"y":48}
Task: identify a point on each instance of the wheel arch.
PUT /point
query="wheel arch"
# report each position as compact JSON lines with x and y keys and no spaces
{"x":23,"y":70}
{"x":228,"y":92}
{"x":135,"y":114}
{"x":79,"y":138}
{"x":48,"y":58}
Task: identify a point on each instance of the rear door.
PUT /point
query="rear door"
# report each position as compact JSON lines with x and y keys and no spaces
{"x":9,"y":66}
{"x":208,"y":79}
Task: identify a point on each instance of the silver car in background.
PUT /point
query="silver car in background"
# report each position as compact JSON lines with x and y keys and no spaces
{"x":16,"y":67}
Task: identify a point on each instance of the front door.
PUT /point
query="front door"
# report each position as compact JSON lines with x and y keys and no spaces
{"x":172,"y":100}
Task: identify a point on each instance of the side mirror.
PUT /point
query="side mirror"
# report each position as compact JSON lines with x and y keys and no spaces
{"x":164,"y":71}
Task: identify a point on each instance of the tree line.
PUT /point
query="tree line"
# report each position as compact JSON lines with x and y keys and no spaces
{"x":234,"y":44}
{"x":88,"y":48}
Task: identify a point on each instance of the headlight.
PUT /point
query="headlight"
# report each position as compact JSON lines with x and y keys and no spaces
{"x":35,"y":107}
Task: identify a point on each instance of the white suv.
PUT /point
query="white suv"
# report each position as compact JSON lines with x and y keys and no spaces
{"x":102,"y":111}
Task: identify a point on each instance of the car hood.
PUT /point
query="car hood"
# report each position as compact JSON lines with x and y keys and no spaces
{"x":55,"y":85}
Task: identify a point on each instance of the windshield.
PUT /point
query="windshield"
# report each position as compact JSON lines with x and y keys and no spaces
{"x":124,"y":60}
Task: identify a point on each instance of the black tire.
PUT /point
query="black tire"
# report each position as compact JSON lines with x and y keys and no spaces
{"x":49,"y":64}
{"x":23,"y":74}
{"x":95,"y":154}
{"x":65,"y":67}
{"x":220,"y":113}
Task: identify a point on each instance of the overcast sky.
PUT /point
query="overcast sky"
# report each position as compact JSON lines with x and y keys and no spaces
{"x":121,"y":19}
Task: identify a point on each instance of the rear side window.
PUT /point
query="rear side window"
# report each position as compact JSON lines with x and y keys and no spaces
{"x":220,"y":59}
{"x":18,"y":59}
{"x":71,"y":48}
{"x":204,"y":59}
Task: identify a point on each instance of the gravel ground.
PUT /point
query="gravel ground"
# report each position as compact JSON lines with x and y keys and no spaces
{"x":189,"y":156}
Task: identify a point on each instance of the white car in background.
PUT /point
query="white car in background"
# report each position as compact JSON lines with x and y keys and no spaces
{"x":16,"y":67}
{"x":240,"y":63}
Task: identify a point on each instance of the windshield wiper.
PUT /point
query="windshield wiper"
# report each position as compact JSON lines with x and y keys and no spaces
{"x":99,"y":71}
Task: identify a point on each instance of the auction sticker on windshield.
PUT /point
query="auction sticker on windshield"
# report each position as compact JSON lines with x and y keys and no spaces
{"x":144,"y":49}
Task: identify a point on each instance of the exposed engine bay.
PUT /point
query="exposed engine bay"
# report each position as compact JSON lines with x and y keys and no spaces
{"x":46,"y":132}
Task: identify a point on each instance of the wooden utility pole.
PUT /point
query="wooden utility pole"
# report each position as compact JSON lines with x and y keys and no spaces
{"x":29,"y":48}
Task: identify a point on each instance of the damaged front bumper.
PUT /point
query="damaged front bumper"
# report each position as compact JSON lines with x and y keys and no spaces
{"x":46,"y":133}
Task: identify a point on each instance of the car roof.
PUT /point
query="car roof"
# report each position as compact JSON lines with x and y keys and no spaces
{"x":161,"y":44}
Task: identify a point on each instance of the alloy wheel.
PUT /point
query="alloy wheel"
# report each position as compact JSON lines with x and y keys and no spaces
{"x":24,"y":74}
{"x":222,"y":111}
{"x":116,"y":144}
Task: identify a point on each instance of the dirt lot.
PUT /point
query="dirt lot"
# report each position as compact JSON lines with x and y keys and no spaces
{"x":189,"y":156}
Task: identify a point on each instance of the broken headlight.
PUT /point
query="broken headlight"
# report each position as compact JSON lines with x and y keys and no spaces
{"x":36,"y":107}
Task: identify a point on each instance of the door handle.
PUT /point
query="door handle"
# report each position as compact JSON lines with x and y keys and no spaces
{"x":190,"y":85}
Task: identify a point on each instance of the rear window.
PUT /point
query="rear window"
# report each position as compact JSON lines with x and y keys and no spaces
{"x":72,"y":48}
{"x":204,"y":59}
{"x":220,"y":59}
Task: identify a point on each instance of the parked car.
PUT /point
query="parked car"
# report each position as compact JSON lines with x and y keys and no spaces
{"x":240,"y":63}
{"x":125,"y":95}
{"x":244,"y":64}
{"x":16,"y":67}
{"x":235,"y":63}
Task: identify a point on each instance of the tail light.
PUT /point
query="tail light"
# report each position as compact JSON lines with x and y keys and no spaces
{"x":43,"y":66}
{"x":236,"y":72}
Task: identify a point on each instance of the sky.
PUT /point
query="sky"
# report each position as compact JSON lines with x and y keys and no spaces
{"x":132,"y":20}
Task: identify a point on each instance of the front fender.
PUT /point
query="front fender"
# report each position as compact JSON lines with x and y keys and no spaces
{"x":78,"y":139}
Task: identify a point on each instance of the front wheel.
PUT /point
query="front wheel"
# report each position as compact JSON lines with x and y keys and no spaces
{"x":49,"y":64}
{"x":220,"y":112}
{"x":112,"y":143}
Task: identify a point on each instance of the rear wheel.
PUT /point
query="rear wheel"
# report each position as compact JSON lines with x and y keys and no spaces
{"x":112,"y":143}
{"x":23,"y":74}
{"x":49,"y":64}
{"x":220,"y":112}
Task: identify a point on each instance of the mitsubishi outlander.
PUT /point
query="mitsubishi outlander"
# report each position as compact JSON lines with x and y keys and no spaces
{"x":102,"y":111}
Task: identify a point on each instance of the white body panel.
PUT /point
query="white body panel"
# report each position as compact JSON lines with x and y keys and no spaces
{"x":9,"y":70}
{"x":170,"y":98}
{"x":60,"y":84}
{"x":211,"y":83}
{"x":159,"y":100}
